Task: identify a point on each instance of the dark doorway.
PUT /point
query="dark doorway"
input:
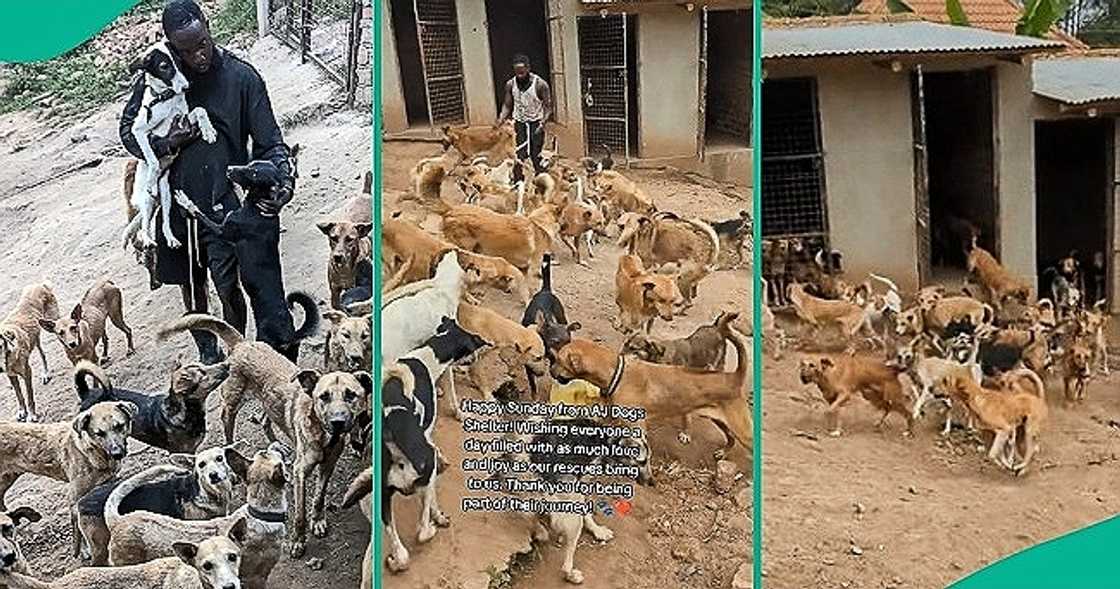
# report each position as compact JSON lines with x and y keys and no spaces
{"x":411,"y":66}
{"x":1073,"y":179}
{"x":727,"y":119}
{"x":516,"y":26}
{"x":961,"y":166}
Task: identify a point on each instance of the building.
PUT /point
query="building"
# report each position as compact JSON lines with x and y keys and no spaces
{"x":659,"y":81}
{"x":881,"y":133}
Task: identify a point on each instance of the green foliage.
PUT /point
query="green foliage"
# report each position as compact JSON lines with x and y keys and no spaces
{"x":73,"y":83}
{"x":1039,"y":16}
{"x":956,"y":13}
{"x":804,"y":8}
{"x":233,"y":18}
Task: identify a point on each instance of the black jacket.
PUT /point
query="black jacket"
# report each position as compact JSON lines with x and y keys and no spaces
{"x":235,"y":97}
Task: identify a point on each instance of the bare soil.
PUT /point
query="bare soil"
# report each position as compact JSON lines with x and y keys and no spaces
{"x":682,"y":532}
{"x":66,"y":230}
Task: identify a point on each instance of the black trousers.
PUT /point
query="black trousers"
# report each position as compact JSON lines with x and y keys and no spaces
{"x":534,"y":131}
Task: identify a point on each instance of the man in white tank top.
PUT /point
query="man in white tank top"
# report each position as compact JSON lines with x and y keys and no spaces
{"x":528,"y":100}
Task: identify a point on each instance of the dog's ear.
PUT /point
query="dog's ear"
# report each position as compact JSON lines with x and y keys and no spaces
{"x":239,"y":533}
{"x":576,"y":362}
{"x":307,"y":379}
{"x":237,"y":463}
{"x":24,"y":513}
{"x":76,"y":314}
{"x":186,"y":551}
{"x":47,"y":324}
{"x":574,"y":326}
{"x":326,"y":227}
{"x":366,"y":380}
{"x":827,"y":362}
{"x":181,"y":460}
{"x":128,"y":408}
{"x":136,"y":65}
{"x":363,"y":229}
{"x":334,"y":316}
{"x":81,"y":422}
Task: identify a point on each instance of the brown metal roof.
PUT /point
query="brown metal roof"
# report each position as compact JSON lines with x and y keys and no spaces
{"x":995,"y":15}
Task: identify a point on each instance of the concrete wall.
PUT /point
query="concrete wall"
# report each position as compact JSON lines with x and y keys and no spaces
{"x":668,"y":45}
{"x":475,"y":47}
{"x":1015,"y":168}
{"x":394,"y":117}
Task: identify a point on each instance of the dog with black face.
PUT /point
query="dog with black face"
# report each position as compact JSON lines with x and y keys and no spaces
{"x":165,"y":98}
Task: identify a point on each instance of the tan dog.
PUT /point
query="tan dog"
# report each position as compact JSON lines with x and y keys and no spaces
{"x":581,"y":220}
{"x":523,"y":343}
{"x":665,"y":392}
{"x":665,"y":238}
{"x":840,"y":379}
{"x":704,"y":349}
{"x":848,"y":317}
{"x":348,"y":236}
{"x":514,"y":238}
{"x":405,"y":242}
{"x":1005,"y":415}
{"x":81,"y":332}
{"x":688,"y":275}
{"x":212,"y":564}
{"x":1093,"y":323}
{"x":498,"y":142}
{"x":1077,"y":371}
{"x":492,"y":272}
{"x":82,"y":453}
{"x":19,"y":334}
{"x":622,"y":194}
{"x":997,"y":280}
{"x":349,"y":345}
{"x":11,"y":557}
{"x":142,"y":536}
{"x":934,"y":313}
{"x":643,"y":296}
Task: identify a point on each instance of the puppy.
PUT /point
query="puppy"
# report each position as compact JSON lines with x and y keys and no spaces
{"x":165,"y":97}
{"x":175,"y":421}
{"x":1077,"y":371}
{"x":19,"y":334}
{"x":348,"y":342}
{"x":408,"y":416}
{"x":201,"y":488}
{"x":212,"y":564}
{"x":642,"y":296}
{"x":705,"y":349}
{"x":82,"y":453}
{"x":848,"y":317}
{"x":840,"y":379}
{"x":1009,"y":416}
{"x":11,"y":557}
{"x":142,"y":536}
{"x":997,"y":280}
{"x":80,"y":333}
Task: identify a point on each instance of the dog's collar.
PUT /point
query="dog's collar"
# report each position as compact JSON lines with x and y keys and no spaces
{"x":271,"y":517}
{"x":616,"y":378}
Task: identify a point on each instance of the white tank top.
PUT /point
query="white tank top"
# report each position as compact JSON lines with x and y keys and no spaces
{"x":527,"y":105}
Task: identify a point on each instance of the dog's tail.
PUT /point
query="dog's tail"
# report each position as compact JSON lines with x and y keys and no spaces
{"x":887,"y":281}
{"x":711,"y":233}
{"x":742,"y":368}
{"x":310,"y":313}
{"x":723,"y":322}
{"x":127,"y":486}
{"x":229,"y":336}
{"x":85,"y":369}
{"x":546,"y":273}
{"x":989,"y":316}
{"x":359,"y":488}
{"x":1040,"y":386}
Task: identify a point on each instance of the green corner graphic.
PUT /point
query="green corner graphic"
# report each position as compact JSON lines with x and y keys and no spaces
{"x":1081,"y":560}
{"x":40,"y":30}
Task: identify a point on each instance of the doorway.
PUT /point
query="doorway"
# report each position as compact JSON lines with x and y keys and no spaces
{"x":1073,"y":183}
{"x":608,"y":63}
{"x":515,"y":27}
{"x":960,"y":167}
{"x":727,"y":95}
{"x":410,"y":64}
{"x":426,"y":33}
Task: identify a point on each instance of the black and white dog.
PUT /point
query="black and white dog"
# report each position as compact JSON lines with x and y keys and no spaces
{"x":408,"y":454}
{"x":165,"y":97}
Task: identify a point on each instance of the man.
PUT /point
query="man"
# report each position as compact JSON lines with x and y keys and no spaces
{"x":234,"y":96}
{"x":529,"y":100}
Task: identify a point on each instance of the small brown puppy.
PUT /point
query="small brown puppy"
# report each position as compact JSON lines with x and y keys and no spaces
{"x":579,"y":220}
{"x":82,"y":453}
{"x":840,"y":379}
{"x":348,"y":342}
{"x":469,"y":141}
{"x":622,"y":194}
{"x":1004,"y":414}
{"x":999,"y":282}
{"x":347,"y":233}
{"x":848,"y":317}
{"x":19,"y":334}
{"x":11,"y":557}
{"x":643,"y":296}
{"x":1093,"y":323}
{"x":403,"y":241}
{"x":80,"y":333}
{"x":705,"y":349}
{"x":1077,"y":370}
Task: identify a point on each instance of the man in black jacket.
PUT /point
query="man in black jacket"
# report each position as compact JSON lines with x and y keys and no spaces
{"x":234,"y":96}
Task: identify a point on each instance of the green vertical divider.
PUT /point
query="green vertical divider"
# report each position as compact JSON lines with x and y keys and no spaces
{"x":375,"y":410}
{"x":756,"y":290}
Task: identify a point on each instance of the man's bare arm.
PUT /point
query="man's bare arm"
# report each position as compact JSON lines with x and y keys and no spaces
{"x":544,"y":92}
{"x":507,"y":105}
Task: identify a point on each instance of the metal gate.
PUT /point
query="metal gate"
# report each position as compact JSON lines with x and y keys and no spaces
{"x":325,"y":32}
{"x":793,"y":181}
{"x":921,"y":177}
{"x":603,"y":82}
{"x":437,"y":28}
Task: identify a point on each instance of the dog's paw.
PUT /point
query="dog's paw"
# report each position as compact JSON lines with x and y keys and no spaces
{"x":684,"y":438}
{"x":209,"y":135}
{"x":574,"y":576}
{"x":602,"y":533}
{"x":296,"y":549}
{"x":834,"y":433}
{"x":397,"y":563}
{"x":319,"y":528}
{"x":426,"y":534}
{"x":172,"y":241}
{"x":32,"y":417}
{"x":441,"y":520}
{"x":21,"y":416}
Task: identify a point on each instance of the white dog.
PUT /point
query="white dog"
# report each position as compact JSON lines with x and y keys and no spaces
{"x":165,"y":97}
{"x":412,"y":313}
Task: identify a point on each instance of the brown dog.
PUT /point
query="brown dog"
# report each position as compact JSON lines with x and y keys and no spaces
{"x":665,"y":392}
{"x":19,"y":334}
{"x":621,"y":194}
{"x":498,"y":142}
{"x":347,"y":234}
{"x":581,"y":220}
{"x":1093,"y":323}
{"x":665,"y":237}
{"x":642,"y":296}
{"x":1004,"y":414}
{"x":997,"y":280}
{"x":840,"y":379}
{"x":349,"y":345}
{"x":81,"y":332}
{"x":705,"y":349}
{"x":848,"y":317}
{"x":1077,"y":370}
{"x":11,"y":557}
{"x":514,"y":238}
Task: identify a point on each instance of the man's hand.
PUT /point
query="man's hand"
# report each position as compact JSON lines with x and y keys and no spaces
{"x":280,"y":197}
{"x":183,"y":132}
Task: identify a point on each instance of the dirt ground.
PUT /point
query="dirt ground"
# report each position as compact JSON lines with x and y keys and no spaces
{"x":682,"y":532}
{"x":66,"y":230}
{"x":875,"y":510}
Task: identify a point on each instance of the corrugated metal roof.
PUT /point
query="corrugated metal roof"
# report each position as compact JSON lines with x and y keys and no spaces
{"x":995,"y":15}
{"x":1078,"y":80}
{"x":891,"y":38}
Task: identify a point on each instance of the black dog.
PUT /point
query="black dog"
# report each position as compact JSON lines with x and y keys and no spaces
{"x":257,"y":238}
{"x":733,"y":234}
{"x":544,"y":310}
{"x":362,"y":290}
{"x":994,"y":358}
{"x":175,"y":421}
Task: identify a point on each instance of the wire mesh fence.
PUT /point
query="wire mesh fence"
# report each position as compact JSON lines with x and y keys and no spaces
{"x":793,"y":188}
{"x":325,"y":32}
